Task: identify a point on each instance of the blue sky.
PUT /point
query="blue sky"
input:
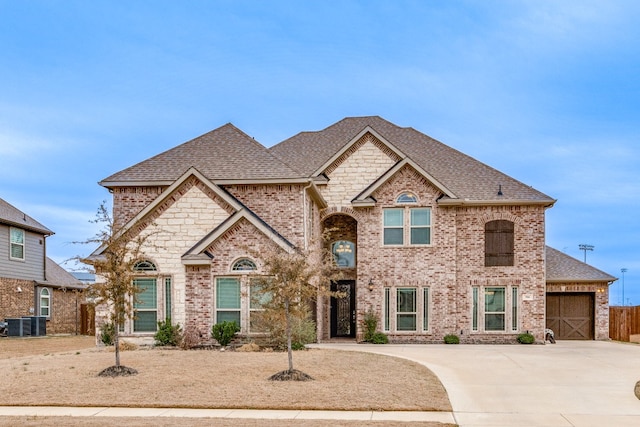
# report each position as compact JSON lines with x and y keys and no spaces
{"x":545,"y":91}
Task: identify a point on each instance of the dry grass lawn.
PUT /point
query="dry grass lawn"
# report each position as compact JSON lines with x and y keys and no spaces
{"x":63,"y":371}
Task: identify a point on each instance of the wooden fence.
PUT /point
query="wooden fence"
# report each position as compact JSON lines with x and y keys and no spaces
{"x":623,"y":321}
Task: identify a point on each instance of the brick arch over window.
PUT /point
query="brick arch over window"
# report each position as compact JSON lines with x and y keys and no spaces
{"x":498,"y":243}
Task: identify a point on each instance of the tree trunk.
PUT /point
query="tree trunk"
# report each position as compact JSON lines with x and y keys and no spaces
{"x":116,"y":342}
{"x":289,"y":350}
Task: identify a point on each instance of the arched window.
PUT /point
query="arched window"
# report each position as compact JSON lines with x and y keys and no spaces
{"x":407,"y":197}
{"x":498,"y":243}
{"x":45,"y":302}
{"x":144,"y":266}
{"x":344,"y":252}
{"x":244,"y":264}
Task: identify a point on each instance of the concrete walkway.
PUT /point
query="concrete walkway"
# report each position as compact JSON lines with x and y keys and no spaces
{"x":568,"y":384}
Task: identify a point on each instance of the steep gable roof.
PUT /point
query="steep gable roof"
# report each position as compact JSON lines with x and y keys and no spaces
{"x":10,"y":215}
{"x":563,"y":268}
{"x":467,"y":178}
{"x":225,"y":154}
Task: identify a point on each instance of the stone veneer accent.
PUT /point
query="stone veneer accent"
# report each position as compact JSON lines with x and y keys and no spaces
{"x":355,"y":171}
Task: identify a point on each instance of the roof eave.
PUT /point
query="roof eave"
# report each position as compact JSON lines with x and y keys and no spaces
{"x":608,"y":280}
{"x":511,"y":202}
{"x":166,"y":183}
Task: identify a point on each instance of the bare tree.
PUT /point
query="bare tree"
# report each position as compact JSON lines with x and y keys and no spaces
{"x":114,"y":262}
{"x":289,"y":281}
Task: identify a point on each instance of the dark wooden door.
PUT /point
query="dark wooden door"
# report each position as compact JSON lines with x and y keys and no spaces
{"x":87,"y":319}
{"x":571,"y":315}
{"x":343,"y":309}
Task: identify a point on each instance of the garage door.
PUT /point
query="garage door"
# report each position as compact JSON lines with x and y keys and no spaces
{"x":571,"y":315}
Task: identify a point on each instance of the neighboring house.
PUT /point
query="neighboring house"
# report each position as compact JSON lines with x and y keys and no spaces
{"x":31,"y":284}
{"x":430,"y":239}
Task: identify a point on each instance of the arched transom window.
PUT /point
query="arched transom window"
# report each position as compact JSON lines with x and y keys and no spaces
{"x":144,"y":266}
{"x":244,"y":264}
{"x":407,"y":197}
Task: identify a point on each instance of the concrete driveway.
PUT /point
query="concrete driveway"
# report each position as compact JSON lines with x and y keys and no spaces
{"x":571,"y":383}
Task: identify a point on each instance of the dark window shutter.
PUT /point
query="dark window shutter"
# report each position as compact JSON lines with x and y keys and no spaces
{"x":498,"y":243}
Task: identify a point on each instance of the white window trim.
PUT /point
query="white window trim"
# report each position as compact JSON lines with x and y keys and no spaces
{"x":508,"y":310}
{"x":23,"y":244}
{"x":390,"y":308}
{"x":49,"y":299}
{"x":245,"y":301}
{"x":407,"y":227}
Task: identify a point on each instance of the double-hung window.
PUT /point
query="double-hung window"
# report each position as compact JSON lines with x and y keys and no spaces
{"x":146,"y":305}
{"x":406,"y":309}
{"x":45,"y":302}
{"x":412,"y":225}
{"x":495,"y":309}
{"x":16,"y":250}
{"x":228,"y":300}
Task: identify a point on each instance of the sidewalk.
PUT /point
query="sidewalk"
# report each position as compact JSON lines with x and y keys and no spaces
{"x":54,"y":411}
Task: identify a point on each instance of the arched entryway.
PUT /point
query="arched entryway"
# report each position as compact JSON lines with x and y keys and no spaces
{"x":342,"y":234}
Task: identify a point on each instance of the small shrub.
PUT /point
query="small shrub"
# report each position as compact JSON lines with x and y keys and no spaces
{"x":379,"y":338}
{"x":526,"y":338}
{"x":451,"y":339}
{"x":168,"y":334}
{"x":303,"y":331}
{"x":190,"y":338}
{"x":370,"y":321}
{"x":107,"y":333}
{"x":224,"y":332}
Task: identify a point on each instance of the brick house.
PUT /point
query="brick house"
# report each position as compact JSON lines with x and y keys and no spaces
{"x":32,"y":284}
{"x":430,"y":239}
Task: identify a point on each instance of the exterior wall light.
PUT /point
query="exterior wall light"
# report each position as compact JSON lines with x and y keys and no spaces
{"x":370,"y":285}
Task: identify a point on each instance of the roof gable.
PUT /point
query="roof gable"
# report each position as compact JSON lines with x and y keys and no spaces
{"x":165,"y":195}
{"x":468,"y":179}
{"x":197,"y":254}
{"x":225,"y":153}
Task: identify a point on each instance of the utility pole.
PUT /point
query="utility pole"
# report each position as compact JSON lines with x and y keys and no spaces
{"x":623,"y":270}
{"x":584,"y":247}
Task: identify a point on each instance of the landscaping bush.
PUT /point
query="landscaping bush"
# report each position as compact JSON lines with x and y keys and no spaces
{"x":379,"y":338}
{"x":370,"y":321}
{"x":107,"y":333}
{"x":451,"y":339}
{"x":303,"y":331}
{"x":526,"y":338}
{"x":168,"y":334}
{"x":224,"y":332}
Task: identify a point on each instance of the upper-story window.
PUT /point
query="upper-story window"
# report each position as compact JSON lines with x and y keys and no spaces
{"x":16,"y":249}
{"x":244,"y":264}
{"x":498,"y":243}
{"x":406,"y":226}
{"x":344,"y":253}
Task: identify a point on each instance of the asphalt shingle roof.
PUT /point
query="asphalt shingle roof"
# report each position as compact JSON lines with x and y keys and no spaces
{"x":465,"y":176}
{"x":59,"y":277}
{"x":225,"y":153}
{"x":229,"y":154}
{"x":564,"y":268}
{"x":11,"y":215}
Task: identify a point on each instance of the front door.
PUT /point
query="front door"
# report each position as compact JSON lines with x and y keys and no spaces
{"x":343,"y":309}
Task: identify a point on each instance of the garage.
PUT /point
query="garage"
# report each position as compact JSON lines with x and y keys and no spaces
{"x":571,"y":315}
